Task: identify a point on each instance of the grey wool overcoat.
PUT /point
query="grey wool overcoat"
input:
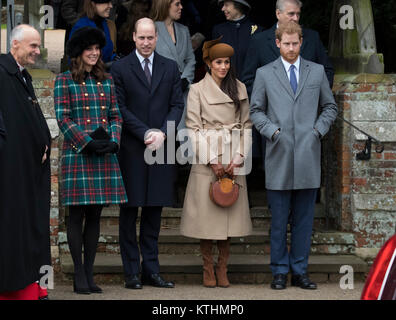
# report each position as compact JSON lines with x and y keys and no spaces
{"x":210,"y":110}
{"x":292,"y":160}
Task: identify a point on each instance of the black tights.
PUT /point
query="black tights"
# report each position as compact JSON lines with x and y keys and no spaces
{"x":76,"y":238}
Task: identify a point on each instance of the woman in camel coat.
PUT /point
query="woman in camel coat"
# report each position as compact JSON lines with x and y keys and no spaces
{"x":217,"y":111}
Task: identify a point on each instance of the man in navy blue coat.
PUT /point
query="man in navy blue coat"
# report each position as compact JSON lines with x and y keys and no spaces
{"x":263,"y":50}
{"x":150,"y":98}
{"x":2,"y":132}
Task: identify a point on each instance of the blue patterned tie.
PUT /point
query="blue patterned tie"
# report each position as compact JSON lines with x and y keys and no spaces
{"x":293,"y":79}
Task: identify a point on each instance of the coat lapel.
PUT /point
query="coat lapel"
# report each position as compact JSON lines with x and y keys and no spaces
{"x":213,"y":93}
{"x":158,"y":72}
{"x":137,"y":69}
{"x":304,"y":72}
{"x":271,"y":41}
{"x":280,"y":73}
{"x":303,"y":43}
{"x":166,"y":38}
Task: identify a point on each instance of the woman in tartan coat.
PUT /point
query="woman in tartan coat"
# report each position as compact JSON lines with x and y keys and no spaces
{"x":84,"y":101}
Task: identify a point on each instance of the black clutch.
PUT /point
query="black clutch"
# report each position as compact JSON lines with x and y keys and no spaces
{"x":100,"y":134}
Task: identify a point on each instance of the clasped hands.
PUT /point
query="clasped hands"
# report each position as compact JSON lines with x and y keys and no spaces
{"x":154,"y":140}
{"x":218,"y":169}
{"x":101,"y":147}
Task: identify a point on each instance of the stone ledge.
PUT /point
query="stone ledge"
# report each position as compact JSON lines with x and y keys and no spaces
{"x":245,"y":264}
{"x":258,"y":236}
{"x":167,"y":212}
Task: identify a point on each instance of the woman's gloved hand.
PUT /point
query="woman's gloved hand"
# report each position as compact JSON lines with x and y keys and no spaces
{"x":95,"y":145}
{"x":111,"y":147}
{"x":236,"y":162}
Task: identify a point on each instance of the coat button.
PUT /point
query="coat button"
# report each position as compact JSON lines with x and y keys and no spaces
{"x":87,"y":108}
{"x":104,"y":120}
{"x":88,"y":121}
{"x":99,"y":83}
{"x":86,"y":94}
{"x":103,"y":107}
{"x":83,"y":83}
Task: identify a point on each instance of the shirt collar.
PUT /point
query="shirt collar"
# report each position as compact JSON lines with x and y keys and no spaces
{"x":141,"y":58}
{"x":19,"y":66}
{"x":287,"y":64}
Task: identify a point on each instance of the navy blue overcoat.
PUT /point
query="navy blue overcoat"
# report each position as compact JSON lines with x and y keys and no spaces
{"x":144,"y":107}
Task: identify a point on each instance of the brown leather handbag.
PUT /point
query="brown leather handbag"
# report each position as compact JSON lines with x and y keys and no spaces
{"x":224,"y":192}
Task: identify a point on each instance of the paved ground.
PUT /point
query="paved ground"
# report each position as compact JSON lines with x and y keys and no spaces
{"x":326,"y":291}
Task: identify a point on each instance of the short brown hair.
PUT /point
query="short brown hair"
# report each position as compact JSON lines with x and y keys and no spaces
{"x":289,"y":28}
{"x":160,"y":9}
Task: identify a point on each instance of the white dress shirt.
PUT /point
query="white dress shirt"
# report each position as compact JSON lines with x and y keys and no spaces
{"x":287,"y":66}
{"x":142,"y":63}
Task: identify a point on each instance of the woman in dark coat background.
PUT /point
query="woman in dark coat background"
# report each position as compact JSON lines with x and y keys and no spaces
{"x":85,"y":101}
{"x":237,"y":30}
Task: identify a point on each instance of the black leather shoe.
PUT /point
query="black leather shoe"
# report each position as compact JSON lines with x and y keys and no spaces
{"x":279,"y":281}
{"x":155,"y":280}
{"x":133,"y":282}
{"x":95,"y":289}
{"x":302,"y":281}
{"x":79,"y":290}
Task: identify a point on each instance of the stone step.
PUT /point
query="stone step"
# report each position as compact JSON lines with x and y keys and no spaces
{"x":172,"y":242}
{"x":241,"y":268}
{"x":170,"y":217}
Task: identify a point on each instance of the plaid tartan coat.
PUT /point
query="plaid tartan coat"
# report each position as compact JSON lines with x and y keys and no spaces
{"x":80,"y":109}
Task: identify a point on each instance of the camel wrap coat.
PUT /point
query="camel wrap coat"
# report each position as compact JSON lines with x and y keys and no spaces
{"x":212,"y":117}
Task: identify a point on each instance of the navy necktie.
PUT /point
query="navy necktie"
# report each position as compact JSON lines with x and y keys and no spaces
{"x":147,"y":70}
{"x":293,"y":79}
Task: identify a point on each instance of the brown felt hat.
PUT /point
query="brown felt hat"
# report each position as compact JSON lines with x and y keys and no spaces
{"x":213,"y":49}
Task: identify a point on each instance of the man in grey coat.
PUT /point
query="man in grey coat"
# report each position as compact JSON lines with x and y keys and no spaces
{"x":284,"y":109}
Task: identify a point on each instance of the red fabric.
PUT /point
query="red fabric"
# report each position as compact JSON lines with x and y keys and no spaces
{"x":31,"y":292}
{"x":42,"y":292}
{"x":378,"y":270}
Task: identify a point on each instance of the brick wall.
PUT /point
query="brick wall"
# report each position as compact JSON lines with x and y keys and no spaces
{"x":43,"y":83}
{"x":363,"y":193}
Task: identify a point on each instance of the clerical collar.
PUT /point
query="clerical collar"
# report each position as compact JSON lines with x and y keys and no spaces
{"x":19,"y":66}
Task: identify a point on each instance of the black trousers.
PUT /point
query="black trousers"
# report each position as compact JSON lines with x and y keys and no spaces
{"x":150,"y":225}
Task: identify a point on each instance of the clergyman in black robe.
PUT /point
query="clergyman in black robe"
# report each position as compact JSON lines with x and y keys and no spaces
{"x":24,"y":168}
